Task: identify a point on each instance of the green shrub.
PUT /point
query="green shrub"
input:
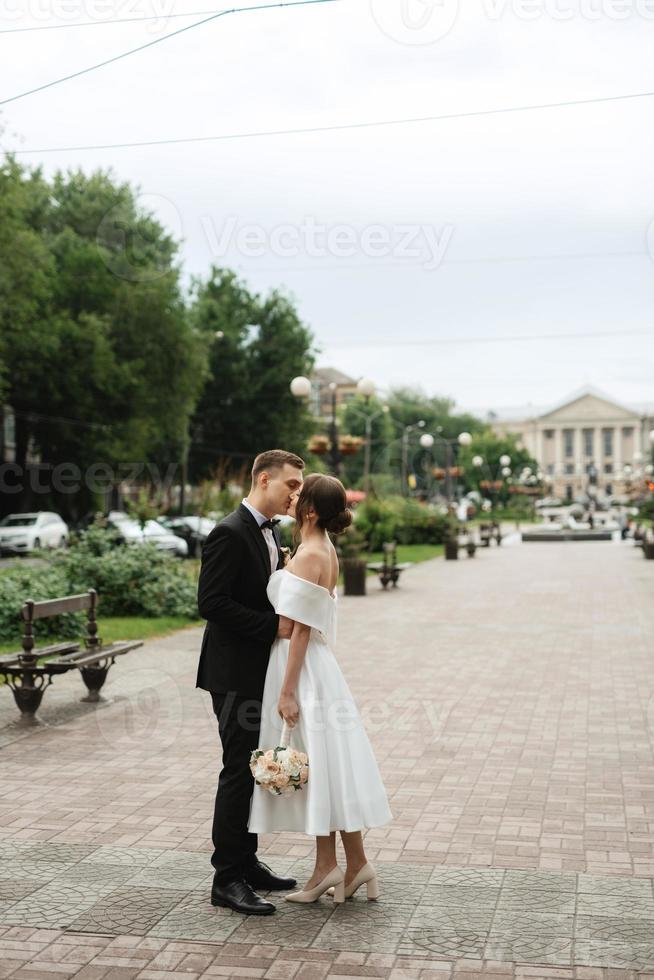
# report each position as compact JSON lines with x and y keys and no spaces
{"x":19,"y":584}
{"x":646,"y":509}
{"x":400,"y":519}
{"x":131,"y":580}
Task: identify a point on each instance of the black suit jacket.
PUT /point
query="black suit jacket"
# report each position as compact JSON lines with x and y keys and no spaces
{"x":241,"y":622}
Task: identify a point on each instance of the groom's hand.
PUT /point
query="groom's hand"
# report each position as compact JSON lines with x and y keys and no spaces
{"x":285,"y":628}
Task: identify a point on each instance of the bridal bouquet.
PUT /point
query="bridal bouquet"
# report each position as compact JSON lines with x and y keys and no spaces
{"x":281,"y":770}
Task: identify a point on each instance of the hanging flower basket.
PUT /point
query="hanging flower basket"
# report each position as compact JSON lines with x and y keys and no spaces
{"x":349,"y":445}
{"x":319,"y":445}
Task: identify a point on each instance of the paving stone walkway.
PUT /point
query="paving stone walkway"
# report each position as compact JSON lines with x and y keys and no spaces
{"x":510,"y":702}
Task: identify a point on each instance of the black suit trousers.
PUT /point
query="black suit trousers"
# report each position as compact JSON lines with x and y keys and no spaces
{"x":239,"y":723}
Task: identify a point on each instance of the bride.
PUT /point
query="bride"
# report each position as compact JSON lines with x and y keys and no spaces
{"x":305,"y":689}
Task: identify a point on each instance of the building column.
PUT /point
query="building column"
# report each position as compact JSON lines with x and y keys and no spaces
{"x":558,"y":452}
{"x":578,"y":456}
{"x":598,"y":455}
{"x":617,"y":449}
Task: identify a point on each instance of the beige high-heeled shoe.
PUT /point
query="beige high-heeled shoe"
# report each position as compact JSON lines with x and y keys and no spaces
{"x":366,"y":876}
{"x":334,"y":881}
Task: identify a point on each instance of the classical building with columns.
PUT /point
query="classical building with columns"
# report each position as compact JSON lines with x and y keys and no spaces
{"x":585,"y":440}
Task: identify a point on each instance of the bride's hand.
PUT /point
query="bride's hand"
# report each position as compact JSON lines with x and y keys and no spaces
{"x":288,"y":709}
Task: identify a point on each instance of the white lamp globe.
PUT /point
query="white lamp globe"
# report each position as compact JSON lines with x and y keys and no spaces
{"x":366,"y":387}
{"x":638,"y":457}
{"x":426,"y":440}
{"x":301,"y":387}
{"x":506,"y":471}
{"x":505,"y":460}
{"x":649,"y":468}
{"x":477,"y":460}
{"x":465,"y":438}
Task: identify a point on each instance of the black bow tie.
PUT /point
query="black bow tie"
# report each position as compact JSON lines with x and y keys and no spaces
{"x":270,"y":524}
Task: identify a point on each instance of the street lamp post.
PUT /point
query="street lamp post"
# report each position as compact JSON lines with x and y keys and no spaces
{"x":366,"y":388}
{"x":334,"y":454}
{"x":369,"y":419}
{"x":301,"y":388}
{"x":405,"y":451}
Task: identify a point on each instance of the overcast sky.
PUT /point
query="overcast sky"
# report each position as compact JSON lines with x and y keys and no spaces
{"x":438,"y":254}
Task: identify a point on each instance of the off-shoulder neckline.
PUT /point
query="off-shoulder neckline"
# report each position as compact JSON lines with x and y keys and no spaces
{"x":306,"y":580}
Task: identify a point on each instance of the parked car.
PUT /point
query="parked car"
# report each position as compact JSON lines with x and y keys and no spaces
{"x":194,"y":530}
{"x":129,"y":532}
{"x":22,"y":533}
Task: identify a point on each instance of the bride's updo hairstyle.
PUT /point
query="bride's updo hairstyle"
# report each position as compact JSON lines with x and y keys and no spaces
{"x":326,"y":496}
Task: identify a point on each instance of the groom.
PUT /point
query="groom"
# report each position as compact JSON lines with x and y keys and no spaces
{"x":238,"y":558}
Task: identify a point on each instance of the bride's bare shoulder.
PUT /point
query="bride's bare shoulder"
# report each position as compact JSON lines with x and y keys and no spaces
{"x":307,"y":564}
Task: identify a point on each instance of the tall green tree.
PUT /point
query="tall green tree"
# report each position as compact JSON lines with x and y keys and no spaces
{"x":255,"y":346}
{"x":100,"y":362}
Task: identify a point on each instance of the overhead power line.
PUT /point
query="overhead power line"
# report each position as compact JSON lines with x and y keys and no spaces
{"x":159,"y":40}
{"x":507,"y":338}
{"x":414,"y":265}
{"x":367,"y":124}
{"x":109,"y":21}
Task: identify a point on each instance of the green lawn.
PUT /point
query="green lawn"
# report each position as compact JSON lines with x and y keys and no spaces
{"x":410,"y":552}
{"x":113,"y":628}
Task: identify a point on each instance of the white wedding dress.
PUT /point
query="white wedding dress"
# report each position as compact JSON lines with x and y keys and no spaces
{"x":345,"y":790}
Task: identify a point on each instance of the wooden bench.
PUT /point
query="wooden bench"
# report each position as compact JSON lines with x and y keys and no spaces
{"x":485,"y":535}
{"x":389,"y":570}
{"x":29,"y":672}
{"x":489,"y":531}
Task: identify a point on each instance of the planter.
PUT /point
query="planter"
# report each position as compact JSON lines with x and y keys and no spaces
{"x":451,"y":549}
{"x":354,"y":576}
{"x":471,"y":547}
{"x":648,"y":549}
{"x":319,"y":445}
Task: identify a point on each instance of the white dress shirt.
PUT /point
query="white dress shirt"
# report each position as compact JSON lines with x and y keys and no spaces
{"x":267,"y":533}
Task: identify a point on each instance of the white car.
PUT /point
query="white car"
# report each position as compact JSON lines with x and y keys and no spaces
{"x":22,"y":533}
{"x":153,"y":532}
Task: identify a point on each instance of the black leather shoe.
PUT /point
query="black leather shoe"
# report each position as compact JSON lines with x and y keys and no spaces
{"x":238,"y":895}
{"x":259,"y":875}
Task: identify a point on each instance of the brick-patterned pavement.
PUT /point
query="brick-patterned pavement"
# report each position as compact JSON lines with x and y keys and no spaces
{"x":509,"y":701}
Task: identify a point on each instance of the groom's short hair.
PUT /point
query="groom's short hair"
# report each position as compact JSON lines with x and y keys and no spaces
{"x":275,"y":459}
